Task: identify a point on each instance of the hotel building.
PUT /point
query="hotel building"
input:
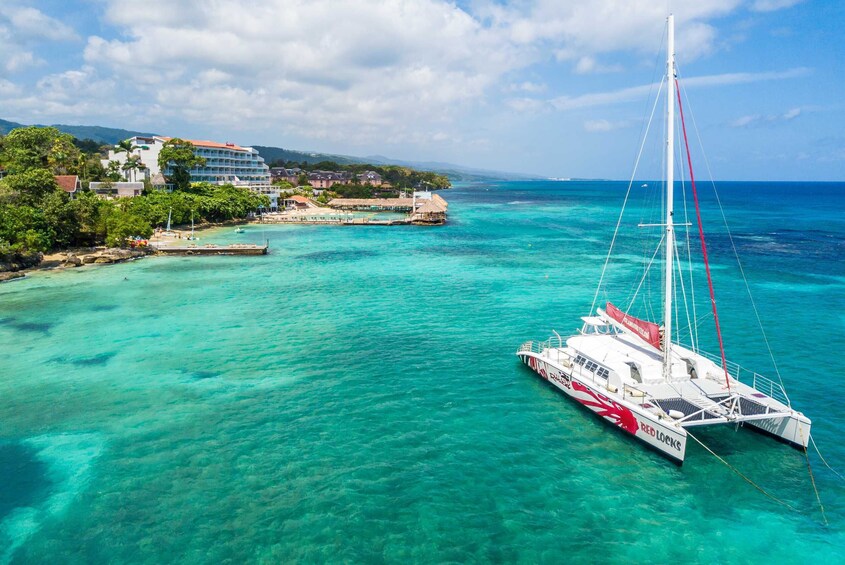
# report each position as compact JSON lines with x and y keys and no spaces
{"x":225,"y":163}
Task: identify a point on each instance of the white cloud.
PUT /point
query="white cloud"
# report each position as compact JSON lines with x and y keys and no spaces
{"x":595,"y":99}
{"x":602,"y":126}
{"x":588,"y":65}
{"x":527,"y":86}
{"x":363,"y":71}
{"x":759,"y":120}
{"x":318,"y":68}
{"x":21,"y":28}
{"x":773,"y":5}
{"x":29,"y":23}
{"x":591,"y":27}
{"x":8,"y":88}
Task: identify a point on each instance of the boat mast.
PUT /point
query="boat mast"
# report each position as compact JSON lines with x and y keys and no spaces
{"x":670,"y":185}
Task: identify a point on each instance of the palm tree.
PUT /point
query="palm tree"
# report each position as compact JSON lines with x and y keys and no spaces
{"x":126,"y":146}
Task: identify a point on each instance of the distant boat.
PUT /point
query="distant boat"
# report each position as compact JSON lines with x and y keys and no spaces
{"x":192,"y":237}
{"x":638,"y":376}
{"x":239,"y":230}
{"x":167,"y":231}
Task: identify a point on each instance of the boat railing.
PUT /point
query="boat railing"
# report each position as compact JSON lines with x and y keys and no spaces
{"x":533,"y":347}
{"x":539,"y":347}
{"x":770,"y":388}
{"x":758,"y":382}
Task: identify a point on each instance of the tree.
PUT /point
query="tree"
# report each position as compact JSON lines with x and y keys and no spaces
{"x":61,"y":219}
{"x":24,"y":228}
{"x":126,"y":146}
{"x":113,"y":171}
{"x":29,"y":187}
{"x":36,"y":147}
{"x":122,"y":225}
{"x":64,"y":155}
{"x":176,"y":159}
{"x":91,"y":213}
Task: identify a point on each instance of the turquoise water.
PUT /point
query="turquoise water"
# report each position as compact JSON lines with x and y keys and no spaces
{"x":354,"y":396}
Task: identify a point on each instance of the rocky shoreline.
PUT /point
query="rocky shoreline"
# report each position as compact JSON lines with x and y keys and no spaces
{"x":75,"y":258}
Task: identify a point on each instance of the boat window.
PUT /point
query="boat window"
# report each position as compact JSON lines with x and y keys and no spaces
{"x":591,"y":366}
{"x":579,"y":360}
{"x":603,"y":373}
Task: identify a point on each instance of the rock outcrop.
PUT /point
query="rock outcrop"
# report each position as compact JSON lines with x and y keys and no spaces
{"x":103,"y":256}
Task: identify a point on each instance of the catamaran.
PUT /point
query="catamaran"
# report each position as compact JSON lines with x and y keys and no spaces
{"x":636,"y":375}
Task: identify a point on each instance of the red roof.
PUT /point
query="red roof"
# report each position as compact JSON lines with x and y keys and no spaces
{"x":68,"y":183}
{"x":211,"y":144}
{"x":298,"y":198}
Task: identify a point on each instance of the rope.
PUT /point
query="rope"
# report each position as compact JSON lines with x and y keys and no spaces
{"x":733,"y":247}
{"x":749,"y":481}
{"x":816,"y":447}
{"x":703,"y":244}
{"x":625,"y":203}
{"x":812,"y":478}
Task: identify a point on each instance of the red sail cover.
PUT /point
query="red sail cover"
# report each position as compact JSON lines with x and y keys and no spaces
{"x":648,"y":331}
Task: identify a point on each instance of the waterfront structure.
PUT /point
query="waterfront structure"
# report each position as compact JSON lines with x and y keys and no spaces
{"x":225,"y":163}
{"x":297,"y":202}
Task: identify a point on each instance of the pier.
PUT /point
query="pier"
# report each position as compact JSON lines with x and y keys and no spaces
{"x":212,"y":249}
{"x":424,"y":209}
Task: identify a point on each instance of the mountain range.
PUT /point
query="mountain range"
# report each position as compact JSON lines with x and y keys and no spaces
{"x":110,"y":136}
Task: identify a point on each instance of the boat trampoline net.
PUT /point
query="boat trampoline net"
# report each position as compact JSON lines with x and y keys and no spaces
{"x":686,"y":407}
{"x":748,"y":407}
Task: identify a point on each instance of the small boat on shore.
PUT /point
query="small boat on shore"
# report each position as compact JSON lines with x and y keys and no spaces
{"x":637,"y":375}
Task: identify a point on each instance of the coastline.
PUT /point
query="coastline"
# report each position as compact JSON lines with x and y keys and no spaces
{"x":76,"y":257}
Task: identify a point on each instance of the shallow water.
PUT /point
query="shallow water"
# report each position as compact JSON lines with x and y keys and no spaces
{"x":354,"y":395}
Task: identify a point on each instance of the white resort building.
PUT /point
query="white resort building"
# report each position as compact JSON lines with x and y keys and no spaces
{"x":225,"y":163}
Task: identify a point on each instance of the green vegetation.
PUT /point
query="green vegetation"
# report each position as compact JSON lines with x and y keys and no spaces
{"x":179,"y":156}
{"x":37,"y":216}
{"x":398,"y":178}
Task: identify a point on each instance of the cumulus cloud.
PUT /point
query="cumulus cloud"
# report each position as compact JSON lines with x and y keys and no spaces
{"x":360,"y":71}
{"x":317,"y":68}
{"x":30,"y":23}
{"x":23,"y":27}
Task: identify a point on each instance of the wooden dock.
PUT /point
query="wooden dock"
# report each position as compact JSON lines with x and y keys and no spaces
{"x":211,"y":249}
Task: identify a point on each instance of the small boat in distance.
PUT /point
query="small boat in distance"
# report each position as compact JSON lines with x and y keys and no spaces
{"x":636,"y":374}
{"x":167,"y":231}
{"x":239,"y":230}
{"x":192,"y":237}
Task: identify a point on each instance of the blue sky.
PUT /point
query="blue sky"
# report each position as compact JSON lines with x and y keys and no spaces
{"x":536,"y":86}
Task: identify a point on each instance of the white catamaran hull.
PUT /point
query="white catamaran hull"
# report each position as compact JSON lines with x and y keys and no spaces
{"x":668,"y":440}
{"x":793,"y":430}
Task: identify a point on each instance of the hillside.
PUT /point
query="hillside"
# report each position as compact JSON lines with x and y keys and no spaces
{"x":111,"y":136}
{"x":454,"y":172}
{"x":99,"y":134}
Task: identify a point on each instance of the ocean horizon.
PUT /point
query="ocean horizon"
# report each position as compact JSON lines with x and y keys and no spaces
{"x":355,"y":395}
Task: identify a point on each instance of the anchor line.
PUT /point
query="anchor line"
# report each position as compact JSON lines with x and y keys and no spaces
{"x":812,"y":478}
{"x":826,"y":464}
{"x":744,"y":477}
